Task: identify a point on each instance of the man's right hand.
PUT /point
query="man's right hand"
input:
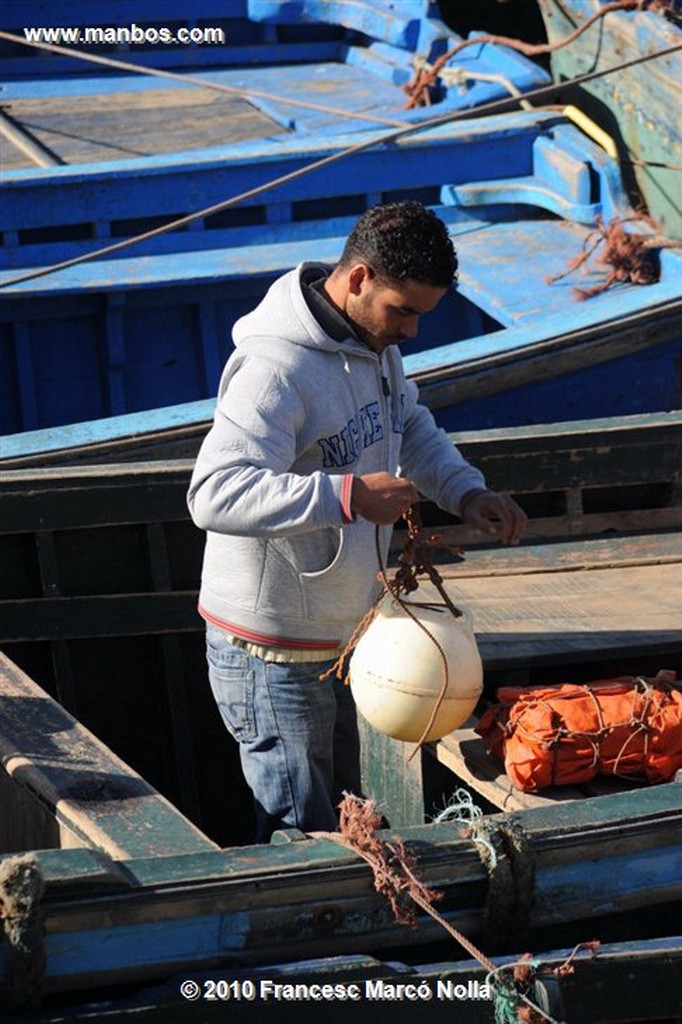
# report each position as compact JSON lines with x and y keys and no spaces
{"x":382,"y":498}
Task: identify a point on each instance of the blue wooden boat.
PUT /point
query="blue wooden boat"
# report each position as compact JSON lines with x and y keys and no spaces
{"x":149,"y":327}
{"x":113,"y":763}
{"x":638,"y":107}
{"x":257,"y":67}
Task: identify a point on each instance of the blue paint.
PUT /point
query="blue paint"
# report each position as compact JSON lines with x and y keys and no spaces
{"x":105,"y":429}
{"x":279,"y":43}
{"x":639,"y":383}
{"x":166,"y":308}
{"x":25,"y":394}
{"x":639,"y":107}
{"x":602,"y":883}
{"x":189,"y":940}
{"x":73,"y":198}
{"x":150,"y":326}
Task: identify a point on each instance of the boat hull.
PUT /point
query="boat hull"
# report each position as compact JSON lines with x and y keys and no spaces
{"x":98,"y":615}
{"x":638,"y":107}
{"x":150,"y":327}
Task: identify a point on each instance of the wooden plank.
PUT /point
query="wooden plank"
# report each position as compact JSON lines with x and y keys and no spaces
{"x":567,"y":556}
{"x":80,"y":12}
{"x":262,"y":904}
{"x":549,"y":618}
{"x":464,"y":754}
{"x":36,"y":65}
{"x":630,"y":453}
{"x":94,"y":798}
{"x":119,"y":125}
{"x":391,"y":776}
{"x":559,"y":527}
{"x":99,"y":615}
{"x":23,"y":142}
{"x":546,"y":610}
{"x":640,"y":106}
{"x":167,"y":433}
{"x":584,"y":463}
{"x":533,"y":613}
{"x":626,"y":982}
{"x":128,"y":494}
{"x":145,"y":436}
{"x":610,"y":431}
{"x":568,"y":351}
{"x":140,"y":189}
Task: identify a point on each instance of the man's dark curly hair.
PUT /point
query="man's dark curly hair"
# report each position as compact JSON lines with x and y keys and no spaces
{"x":403,"y":241}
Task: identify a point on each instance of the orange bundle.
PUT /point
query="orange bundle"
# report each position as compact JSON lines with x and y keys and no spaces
{"x":568,"y":734}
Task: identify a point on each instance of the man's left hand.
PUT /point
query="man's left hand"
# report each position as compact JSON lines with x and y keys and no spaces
{"x":496,"y":514}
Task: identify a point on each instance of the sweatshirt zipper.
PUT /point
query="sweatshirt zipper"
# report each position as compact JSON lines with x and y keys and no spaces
{"x":386,"y":394}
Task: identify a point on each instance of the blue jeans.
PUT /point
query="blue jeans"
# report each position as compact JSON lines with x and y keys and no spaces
{"x":298,"y":736}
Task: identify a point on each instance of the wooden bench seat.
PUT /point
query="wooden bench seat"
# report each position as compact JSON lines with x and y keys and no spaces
{"x":573,"y":609}
{"x":616,"y":597}
{"x":62,"y":787}
{"x":464,"y":754}
{"x":563,"y":616}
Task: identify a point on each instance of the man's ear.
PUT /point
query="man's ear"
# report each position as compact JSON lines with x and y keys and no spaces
{"x":358,"y":276}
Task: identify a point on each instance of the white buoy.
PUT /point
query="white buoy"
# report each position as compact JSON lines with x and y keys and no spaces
{"x":397,"y":672}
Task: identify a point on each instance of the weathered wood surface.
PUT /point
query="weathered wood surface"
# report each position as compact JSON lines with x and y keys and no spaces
{"x":323,"y":53}
{"x":93,"y":128}
{"x":56,"y":777}
{"x":110,"y":607}
{"x":262,"y":904}
{"x":582,"y":478}
{"x":150,"y":327}
{"x":197,"y":297}
{"x":538,"y":611}
{"x":245,"y":41}
{"x":597,"y":590}
{"x":464,"y":754}
{"x":564,"y":351}
{"x":630,"y":594}
{"x":549,"y":618}
{"x":101,"y":569}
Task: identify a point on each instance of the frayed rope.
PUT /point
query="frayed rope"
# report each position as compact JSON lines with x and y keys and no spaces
{"x":395,"y":878}
{"x":21,"y":919}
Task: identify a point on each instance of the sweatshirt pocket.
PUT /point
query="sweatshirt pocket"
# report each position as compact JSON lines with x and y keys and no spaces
{"x":343,"y":590}
{"x":288,"y":560}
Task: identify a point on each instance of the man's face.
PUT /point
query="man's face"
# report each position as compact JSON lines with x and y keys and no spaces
{"x":385,"y":313}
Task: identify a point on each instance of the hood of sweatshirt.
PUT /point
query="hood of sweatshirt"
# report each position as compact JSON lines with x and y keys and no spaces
{"x":285,"y":316}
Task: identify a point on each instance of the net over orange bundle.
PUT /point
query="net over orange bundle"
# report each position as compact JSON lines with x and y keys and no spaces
{"x":568,"y":734}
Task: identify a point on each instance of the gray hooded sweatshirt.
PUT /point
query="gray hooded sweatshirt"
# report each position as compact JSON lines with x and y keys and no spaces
{"x":300,"y":413}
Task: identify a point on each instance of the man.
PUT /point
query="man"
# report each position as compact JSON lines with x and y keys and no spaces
{"x":318,"y":439}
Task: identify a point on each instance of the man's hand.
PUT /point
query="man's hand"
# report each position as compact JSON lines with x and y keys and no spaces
{"x":381,"y":497}
{"x":496,"y":514}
